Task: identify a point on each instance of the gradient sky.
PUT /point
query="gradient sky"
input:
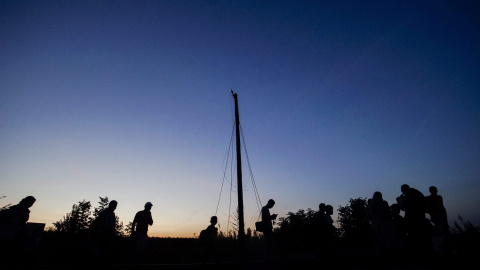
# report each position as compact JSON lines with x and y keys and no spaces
{"x":338,"y":99}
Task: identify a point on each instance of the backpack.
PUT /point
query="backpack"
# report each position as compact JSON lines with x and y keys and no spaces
{"x":202,"y":237}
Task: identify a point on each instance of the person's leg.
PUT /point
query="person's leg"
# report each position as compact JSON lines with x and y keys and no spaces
{"x":141,"y":246}
{"x":268,"y":237}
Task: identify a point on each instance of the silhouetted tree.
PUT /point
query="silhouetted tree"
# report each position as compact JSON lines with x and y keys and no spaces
{"x":296,"y":229}
{"x":119,"y":229}
{"x":78,"y":220}
{"x":354,"y":225}
{"x":127,"y":230}
{"x":102,"y":205}
{"x":296,"y":222}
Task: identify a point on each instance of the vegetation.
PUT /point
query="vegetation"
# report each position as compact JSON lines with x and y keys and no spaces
{"x":67,"y":241}
{"x":80,"y":219}
{"x":354,"y":225}
{"x":295,"y":230}
{"x":465,"y":237}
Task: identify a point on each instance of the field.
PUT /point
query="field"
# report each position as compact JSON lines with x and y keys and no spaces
{"x":61,"y":252}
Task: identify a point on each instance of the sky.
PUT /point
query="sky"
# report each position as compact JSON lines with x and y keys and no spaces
{"x":131,"y":100}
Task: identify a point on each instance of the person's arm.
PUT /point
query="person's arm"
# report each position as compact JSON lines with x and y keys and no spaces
{"x":134,"y":223}
{"x":150,"y":220}
{"x":401,"y":201}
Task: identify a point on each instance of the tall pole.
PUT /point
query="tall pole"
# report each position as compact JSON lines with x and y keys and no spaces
{"x":241,"y":224}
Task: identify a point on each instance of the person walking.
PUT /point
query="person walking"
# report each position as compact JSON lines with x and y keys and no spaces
{"x":13,"y":231}
{"x":209,"y":242}
{"x":319,"y":224}
{"x":103,"y":233}
{"x":319,"y":216}
{"x":399,"y":223}
{"x":436,"y":209}
{"x":438,"y":216}
{"x":413,"y":203}
{"x":140,"y":224}
{"x":385,"y":236}
{"x":268,"y":229}
{"x":329,"y":237}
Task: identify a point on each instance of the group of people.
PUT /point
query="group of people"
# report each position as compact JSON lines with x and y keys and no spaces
{"x":207,"y":236}
{"x":101,"y":234}
{"x":413,"y":231}
{"x":391,"y":231}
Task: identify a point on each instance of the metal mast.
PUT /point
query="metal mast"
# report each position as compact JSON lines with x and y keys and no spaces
{"x":241,"y":224}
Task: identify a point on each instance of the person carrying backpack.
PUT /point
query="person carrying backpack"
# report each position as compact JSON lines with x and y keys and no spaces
{"x":208,"y":241}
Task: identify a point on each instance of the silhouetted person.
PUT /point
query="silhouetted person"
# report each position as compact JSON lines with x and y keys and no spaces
{"x":319,"y":216}
{"x":438,"y":216}
{"x":385,"y":236}
{"x":318,"y":223}
{"x":140,"y":224}
{"x":209,"y":244}
{"x":399,"y":222}
{"x":268,"y":230}
{"x":104,"y":233}
{"x":413,"y":203}
{"x":329,"y":236}
{"x":14,"y":231}
{"x":436,"y":209}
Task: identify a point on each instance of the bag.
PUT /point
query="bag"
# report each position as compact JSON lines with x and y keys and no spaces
{"x":259,"y":226}
{"x":10,"y":224}
{"x":202,"y":237}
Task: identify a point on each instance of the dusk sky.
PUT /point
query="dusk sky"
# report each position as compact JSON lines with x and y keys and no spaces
{"x":338,"y":99}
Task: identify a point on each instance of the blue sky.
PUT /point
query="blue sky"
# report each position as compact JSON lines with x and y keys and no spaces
{"x":338,"y":99}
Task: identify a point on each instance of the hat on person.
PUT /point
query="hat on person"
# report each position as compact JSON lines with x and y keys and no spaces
{"x":149,"y":203}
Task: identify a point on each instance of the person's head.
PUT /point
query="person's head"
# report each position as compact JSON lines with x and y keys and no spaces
{"x":213,"y":220}
{"x":377,"y":195}
{"x":321,"y":207}
{"x":433,"y":190}
{"x":395,"y":209}
{"x":112,"y":205}
{"x":28,"y":201}
{"x":405,"y":188}
{"x":329,"y":209}
{"x":148,"y":206}
{"x":270,"y":203}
